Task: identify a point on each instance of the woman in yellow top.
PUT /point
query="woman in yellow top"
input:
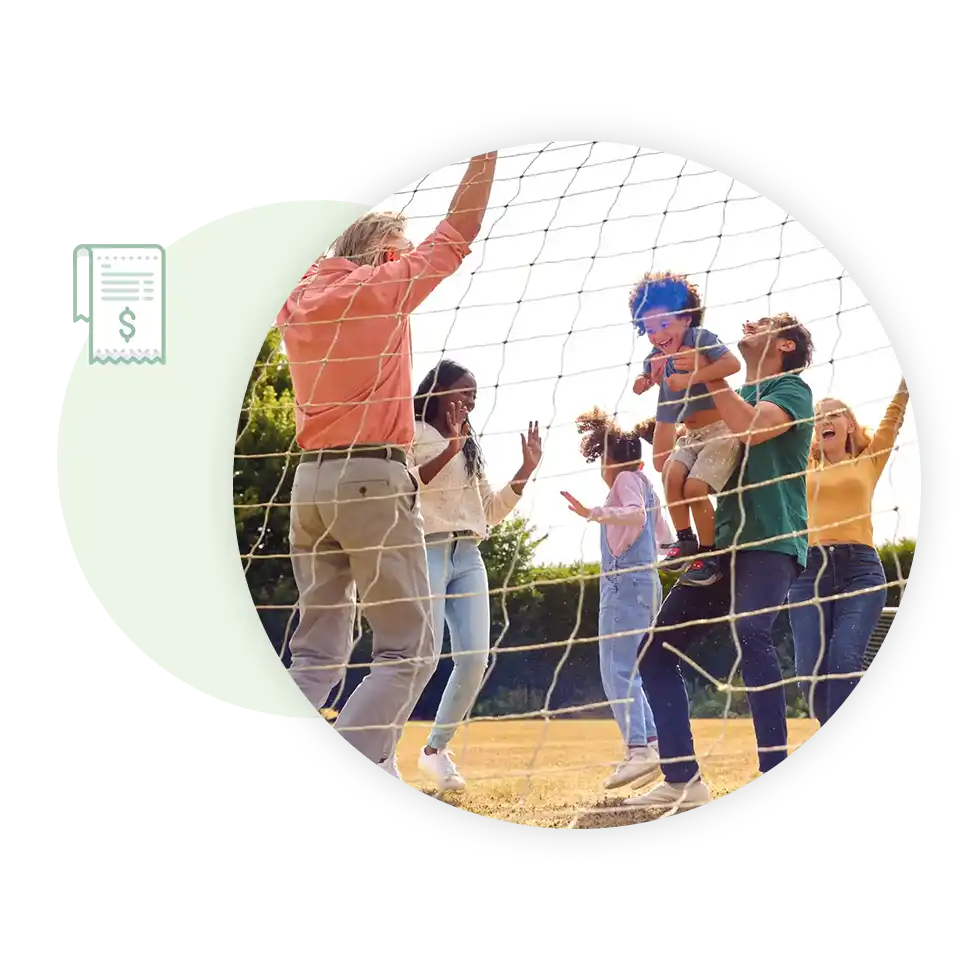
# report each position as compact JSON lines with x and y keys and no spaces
{"x":843,"y":585}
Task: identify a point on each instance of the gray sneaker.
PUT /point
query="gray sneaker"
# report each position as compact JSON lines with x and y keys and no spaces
{"x":639,"y":766}
{"x":674,"y":796}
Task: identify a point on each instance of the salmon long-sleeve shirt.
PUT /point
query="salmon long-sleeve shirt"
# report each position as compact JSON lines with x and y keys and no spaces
{"x":840,"y":495}
{"x":347,"y":336}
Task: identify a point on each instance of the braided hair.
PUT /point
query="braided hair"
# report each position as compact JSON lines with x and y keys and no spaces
{"x":427,"y":405}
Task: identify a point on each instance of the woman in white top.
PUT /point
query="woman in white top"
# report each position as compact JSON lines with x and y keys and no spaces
{"x":458,"y":506}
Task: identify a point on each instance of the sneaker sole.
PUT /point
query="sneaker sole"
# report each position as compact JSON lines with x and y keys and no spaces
{"x":671,"y":807}
{"x":637,"y":781}
{"x":458,"y":787}
{"x":687,"y":581}
{"x":675,"y":569}
{"x":438,"y":783}
{"x":686,"y":807}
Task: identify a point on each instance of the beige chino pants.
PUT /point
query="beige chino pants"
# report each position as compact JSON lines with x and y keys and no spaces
{"x":355,"y":526}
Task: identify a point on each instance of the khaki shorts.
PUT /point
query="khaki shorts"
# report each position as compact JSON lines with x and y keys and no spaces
{"x":710,"y":454}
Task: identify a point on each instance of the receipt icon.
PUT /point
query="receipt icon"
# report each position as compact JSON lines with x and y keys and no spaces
{"x":119,"y":292}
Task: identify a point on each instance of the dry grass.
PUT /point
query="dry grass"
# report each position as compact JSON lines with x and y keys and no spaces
{"x":551,"y":774}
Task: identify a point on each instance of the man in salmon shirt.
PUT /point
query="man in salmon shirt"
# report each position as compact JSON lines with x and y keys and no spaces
{"x":354,"y":521}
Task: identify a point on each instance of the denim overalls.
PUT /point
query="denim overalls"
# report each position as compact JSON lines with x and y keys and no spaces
{"x":630,"y":595}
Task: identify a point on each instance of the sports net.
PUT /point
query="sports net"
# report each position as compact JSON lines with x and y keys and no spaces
{"x":538,"y":313}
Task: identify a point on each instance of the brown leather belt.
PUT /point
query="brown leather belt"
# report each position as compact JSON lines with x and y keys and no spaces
{"x":385,"y":452}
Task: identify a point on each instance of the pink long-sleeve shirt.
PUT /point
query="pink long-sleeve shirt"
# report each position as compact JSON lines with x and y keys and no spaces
{"x":625,"y":513}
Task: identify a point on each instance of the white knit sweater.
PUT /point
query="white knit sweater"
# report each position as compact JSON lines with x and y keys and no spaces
{"x":453,"y":502}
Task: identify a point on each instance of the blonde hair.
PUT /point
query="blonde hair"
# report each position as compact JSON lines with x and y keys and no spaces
{"x":363,"y":241}
{"x":856,"y":441}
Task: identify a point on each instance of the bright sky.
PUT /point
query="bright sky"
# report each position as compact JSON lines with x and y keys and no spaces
{"x":538,"y":311}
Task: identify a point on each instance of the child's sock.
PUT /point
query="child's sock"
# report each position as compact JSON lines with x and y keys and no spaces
{"x":705,"y":548}
{"x":685,"y":535}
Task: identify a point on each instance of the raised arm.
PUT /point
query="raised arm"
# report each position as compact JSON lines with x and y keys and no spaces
{"x":467,"y":209}
{"x":881,"y":446}
{"x":708,"y":360}
{"x":399,"y":286}
{"x":498,"y":504}
{"x":394,"y":287}
{"x":769,"y":418}
{"x":717,"y":370}
{"x":427,"y":457}
{"x":432,"y":468}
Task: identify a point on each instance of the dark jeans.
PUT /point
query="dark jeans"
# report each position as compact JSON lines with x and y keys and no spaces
{"x":831,"y":636}
{"x":761,"y":582}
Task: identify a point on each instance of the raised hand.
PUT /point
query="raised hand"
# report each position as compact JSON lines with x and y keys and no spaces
{"x":456,"y":422}
{"x":575,"y":505}
{"x":531,"y":448}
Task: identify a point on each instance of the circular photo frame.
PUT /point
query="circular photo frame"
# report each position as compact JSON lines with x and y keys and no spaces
{"x":811,"y":763}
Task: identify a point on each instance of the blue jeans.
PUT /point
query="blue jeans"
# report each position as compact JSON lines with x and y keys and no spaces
{"x":761,"y":582}
{"x":456,"y":570}
{"x":628,"y":604}
{"x":831,"y":636}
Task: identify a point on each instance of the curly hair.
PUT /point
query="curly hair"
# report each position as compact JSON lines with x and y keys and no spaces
{"x":427,"y":402}
{"x":665,"y":291}
{"x":600,"y":433}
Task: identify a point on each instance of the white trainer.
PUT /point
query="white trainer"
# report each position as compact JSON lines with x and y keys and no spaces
{"x":441,"y":770}
{"x":673,"y":796}
{"x":640,"y":765}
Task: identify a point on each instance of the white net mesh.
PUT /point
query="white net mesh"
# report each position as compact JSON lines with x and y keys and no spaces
{"x":538,"y":313}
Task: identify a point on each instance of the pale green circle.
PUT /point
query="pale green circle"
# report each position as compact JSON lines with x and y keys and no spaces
{"x":145,"y":456}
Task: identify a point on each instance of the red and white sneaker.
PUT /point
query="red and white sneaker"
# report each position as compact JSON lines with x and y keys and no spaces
{"x":679,"y":555}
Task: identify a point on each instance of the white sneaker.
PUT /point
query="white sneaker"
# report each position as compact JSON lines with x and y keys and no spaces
{"x":390,"y":766}
{"x":442,"y":770}
{"x":640,"y":765}
{"x":673,"y":796}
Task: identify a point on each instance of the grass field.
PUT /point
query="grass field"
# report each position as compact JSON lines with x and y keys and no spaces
{"x":551,"y":774}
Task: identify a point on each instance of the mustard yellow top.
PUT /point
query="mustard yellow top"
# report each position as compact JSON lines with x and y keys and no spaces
{"x":840,"y":494}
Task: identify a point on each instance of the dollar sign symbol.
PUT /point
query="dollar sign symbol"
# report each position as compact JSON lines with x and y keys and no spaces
{"x":126,"y":323}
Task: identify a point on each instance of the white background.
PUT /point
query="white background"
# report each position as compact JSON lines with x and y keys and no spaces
{"x":148,"y":824}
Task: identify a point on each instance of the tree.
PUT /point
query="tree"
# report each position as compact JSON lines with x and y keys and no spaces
{"x":264,"y":466}
{"x":544,"y":618}
{"x":897,"y":561}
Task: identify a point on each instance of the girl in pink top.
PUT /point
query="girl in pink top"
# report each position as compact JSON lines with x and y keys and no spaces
{"x":630,"y":590}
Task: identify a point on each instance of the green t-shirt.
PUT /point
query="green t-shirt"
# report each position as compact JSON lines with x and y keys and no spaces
{"x":779,"y":508}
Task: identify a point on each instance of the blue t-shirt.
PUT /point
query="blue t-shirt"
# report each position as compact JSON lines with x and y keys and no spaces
{"x":675,"y":406}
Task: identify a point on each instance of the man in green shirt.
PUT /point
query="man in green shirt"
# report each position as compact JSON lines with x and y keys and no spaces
{"x":761,"y":525}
